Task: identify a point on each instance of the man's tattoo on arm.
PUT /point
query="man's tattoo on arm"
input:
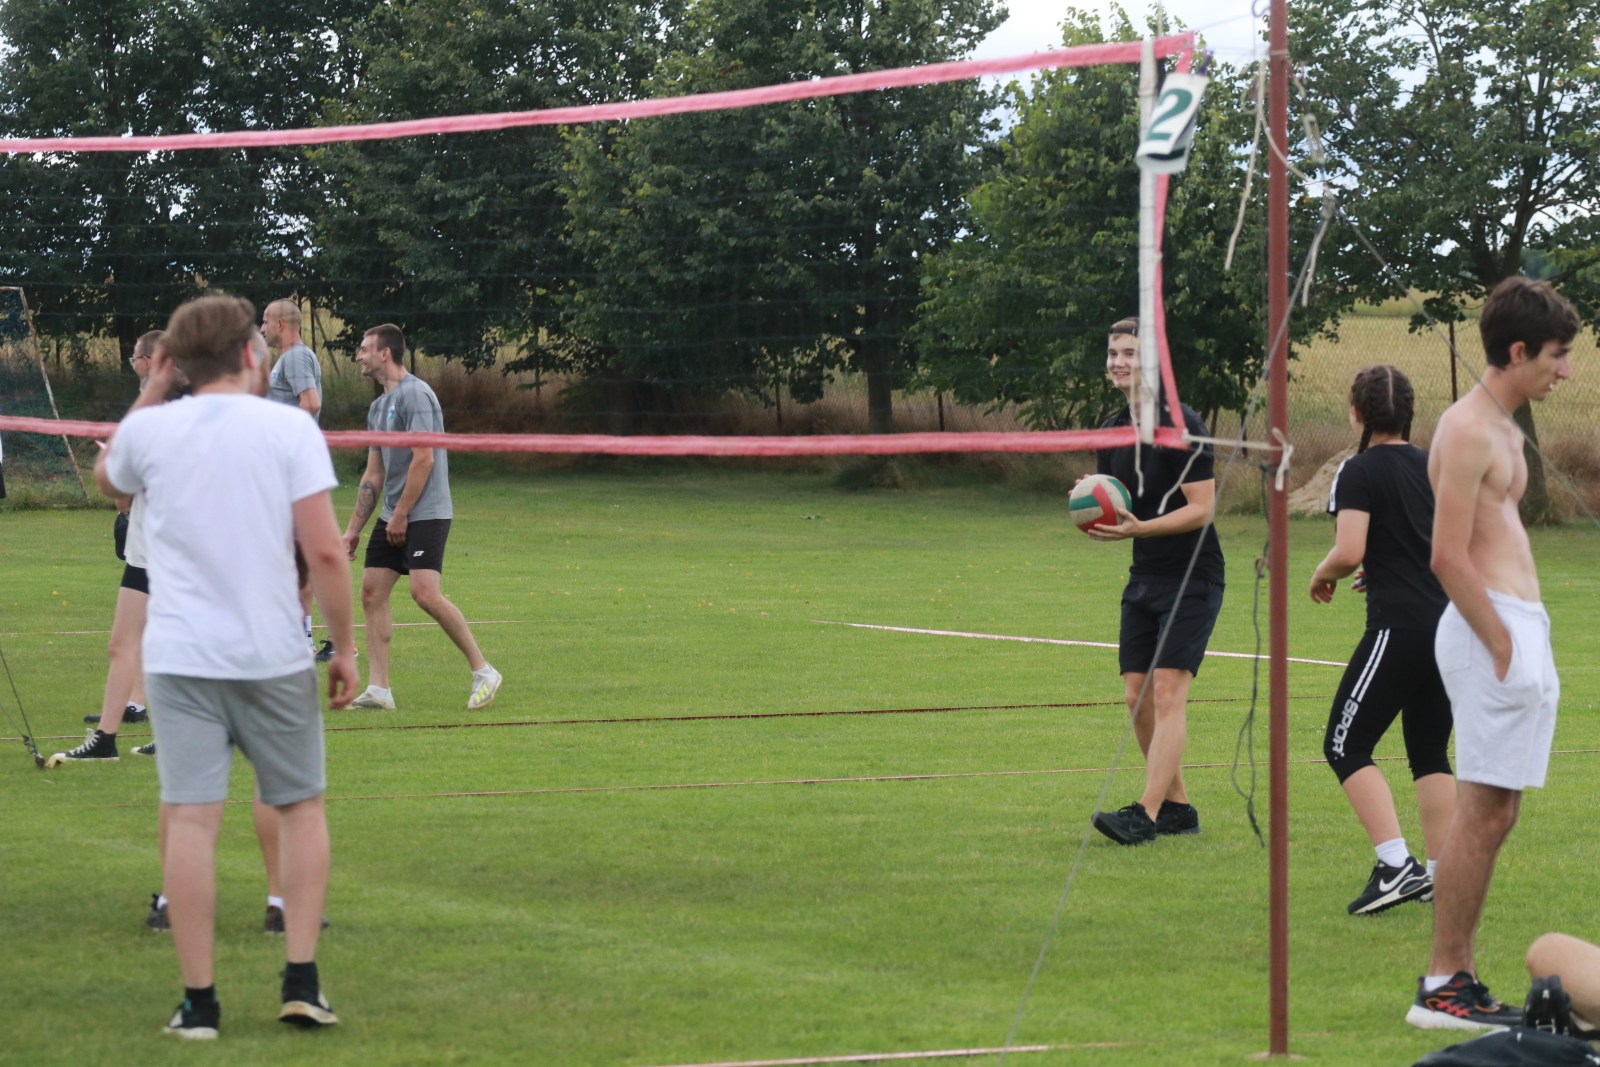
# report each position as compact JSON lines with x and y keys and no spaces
{"x":366,"y":503}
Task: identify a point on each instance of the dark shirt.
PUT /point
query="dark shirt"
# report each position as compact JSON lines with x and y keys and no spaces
{"x":1390,"y":484}
{"x":1165,"y":558}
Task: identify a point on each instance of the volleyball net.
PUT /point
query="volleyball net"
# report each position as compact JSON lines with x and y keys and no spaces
{"x":654,"y":264}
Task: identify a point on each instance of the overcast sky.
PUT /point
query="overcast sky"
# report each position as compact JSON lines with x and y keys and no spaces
{"x":1228,"y":27}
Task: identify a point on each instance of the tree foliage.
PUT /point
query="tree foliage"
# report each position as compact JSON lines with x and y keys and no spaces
{"x":770,"y":246}
{"x":1016,"y":312}
{"x":1463,"y":135}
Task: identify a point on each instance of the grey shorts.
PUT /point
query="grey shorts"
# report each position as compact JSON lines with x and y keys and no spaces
{"x":275,"y":722}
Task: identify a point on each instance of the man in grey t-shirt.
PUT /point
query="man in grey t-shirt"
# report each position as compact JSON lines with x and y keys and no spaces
{"x":297,"y":375}
{"x":410,"y":535}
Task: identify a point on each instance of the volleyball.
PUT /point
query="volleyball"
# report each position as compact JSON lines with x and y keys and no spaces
{"x":1095,"y":499}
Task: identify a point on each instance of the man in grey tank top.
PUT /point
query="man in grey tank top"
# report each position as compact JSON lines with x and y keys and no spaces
{"x":414,"y":524}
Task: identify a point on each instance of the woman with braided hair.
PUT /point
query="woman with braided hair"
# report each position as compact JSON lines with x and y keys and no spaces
{"x":1383,"y":508}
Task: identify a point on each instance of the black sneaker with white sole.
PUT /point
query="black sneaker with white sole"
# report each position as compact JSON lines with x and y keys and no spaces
{"x":145,"y":750}
{"x":196,"y":1022}
{"x":1131,"y":825}
{"x":157,"y":919}
{"x":129,"y":714}
{"x":1389,"y":886}
{"x":1174,"y":819}
{"x":306,"y":1008}
{"x":99,"y":746}
{"x":1463,"y":1003}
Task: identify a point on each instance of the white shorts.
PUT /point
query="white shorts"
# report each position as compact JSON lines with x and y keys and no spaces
{"x":1503,"y":728}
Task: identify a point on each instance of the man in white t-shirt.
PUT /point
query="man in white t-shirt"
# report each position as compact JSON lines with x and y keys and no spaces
{"x":232,"y":482}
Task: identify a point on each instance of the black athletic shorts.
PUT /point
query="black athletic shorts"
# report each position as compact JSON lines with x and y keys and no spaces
{"x":136,"y":578}
{"x":423,"y":550}
{"x":1146,"y":608}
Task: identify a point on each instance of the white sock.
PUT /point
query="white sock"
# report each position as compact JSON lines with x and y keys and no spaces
{"x":483,"y":672}
{"x":1433,"y":865}
{"x":274,"y":902}
{"x":161,"y":901}
{"x":136,"y":706}
{"x":308,"y":625}
{"x":1393,"y":853}
{"x":379,"y":690}
{"x":1434,"y":981}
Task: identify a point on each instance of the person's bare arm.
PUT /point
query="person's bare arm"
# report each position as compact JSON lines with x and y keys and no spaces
{"x":1201,"y":505}
{"x":416,"y":480}
{"x":368,"y":495}
{"x":1463,"y":452}
{"x":317,"y":533}
{"x":1349,"y":549}
{"x":311,"y":402}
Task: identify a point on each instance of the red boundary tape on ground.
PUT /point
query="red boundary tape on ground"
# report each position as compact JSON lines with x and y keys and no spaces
{"x":896,"y":78}
{"x":891,"y":444}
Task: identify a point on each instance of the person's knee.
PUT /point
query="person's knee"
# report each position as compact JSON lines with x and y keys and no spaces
{"x":1343,"y":758}
{"x":1546,"y":953}
{"x":373,"y":596}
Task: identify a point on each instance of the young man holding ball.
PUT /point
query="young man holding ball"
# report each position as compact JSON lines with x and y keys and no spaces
{"x":1171,"y":602}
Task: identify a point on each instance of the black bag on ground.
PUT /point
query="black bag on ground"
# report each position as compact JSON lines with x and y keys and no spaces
{"x":119,"y":535}
{"x":1517,"y":1047}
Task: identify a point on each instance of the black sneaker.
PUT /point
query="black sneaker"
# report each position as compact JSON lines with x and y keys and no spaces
{"x":1389,"y":886}
{"x":273,"y":923}
{"x":324,"y":652}
{"x":157,"y":919}
{"x":1463,"y":1003}
{"x":98,"y":746}
{"x":306,"y":1008}
{"x":197,"y":1024}
{"x":1177,"y":819}
{"x":1126,"y":826}
{"x":129,"y":714}
{"x":145,"y":750}
{"x":1548,"y":1007}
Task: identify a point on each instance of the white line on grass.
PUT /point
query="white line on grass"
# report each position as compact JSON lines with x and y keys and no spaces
{"x":1049,"y":641}
{"x":886,"y":1057}
{"x":358,"y":626}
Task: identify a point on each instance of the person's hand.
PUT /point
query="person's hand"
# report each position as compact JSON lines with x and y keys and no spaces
{"x":1502,"y":660}
{"x":396,"y":529}
{"x":351,"y":541}
{"x":1358,"y":584}
{"x":342,"y":678}
{"x":1128,"y":527}
{"x":1322,"y":590}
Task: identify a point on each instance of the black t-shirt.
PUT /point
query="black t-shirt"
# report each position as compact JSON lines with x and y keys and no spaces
{"x":1165,"y":558}
{"x":1390,"y":484}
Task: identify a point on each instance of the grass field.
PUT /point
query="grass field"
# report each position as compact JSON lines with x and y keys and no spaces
{"x":681,"y":836}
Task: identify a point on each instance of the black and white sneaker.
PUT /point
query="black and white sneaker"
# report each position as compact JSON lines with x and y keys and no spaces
{"x":1175,"y":819}
{"x":1131,"y":825}
{"x":145,"y":750}
{"x":324,"y":652}
{"x":1463,"y":1003}
{"x":307,"y":1009}
{"x":98,"y":746}
{"x":157,"y":919}
{"x":1390,"y":886}
{"x":196,"y":1024}
{"x":132,"y":713}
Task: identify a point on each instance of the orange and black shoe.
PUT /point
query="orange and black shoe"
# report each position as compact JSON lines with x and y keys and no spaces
{"x":1463,"y":1003}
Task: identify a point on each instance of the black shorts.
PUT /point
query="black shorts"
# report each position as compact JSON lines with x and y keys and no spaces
{"x":423,"y":550}
{"x":1146,"y":608}
{"x":136,"y":578}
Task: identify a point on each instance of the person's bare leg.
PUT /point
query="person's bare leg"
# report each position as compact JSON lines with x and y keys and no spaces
{"x":304,"y":860}
{"x":123,"y":665}
{"x":266,"y":819}
{"x":189,"y":872}
{"x":1484,"y":817}
{"x":427,"y":592}
{"x":1163,"y":775}
{"x":377,"y":583}
{"x":1368,"y":793}
{"x":1436,"y":806}
{"x":1577,"y":963}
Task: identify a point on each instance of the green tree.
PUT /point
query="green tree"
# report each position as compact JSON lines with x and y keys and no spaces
{"x":458,"y":238}
{"x":110,"y":243}
{"x":1463,"y":136}
{"x":772,"y":246}
{"x":1016,"y":312}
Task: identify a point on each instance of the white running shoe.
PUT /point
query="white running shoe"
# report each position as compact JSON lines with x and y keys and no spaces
{"x":373,"y":697}
{"x":485,"y":684}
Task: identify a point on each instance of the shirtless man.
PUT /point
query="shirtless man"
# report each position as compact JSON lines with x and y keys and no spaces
{"x":1493,"y":643}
